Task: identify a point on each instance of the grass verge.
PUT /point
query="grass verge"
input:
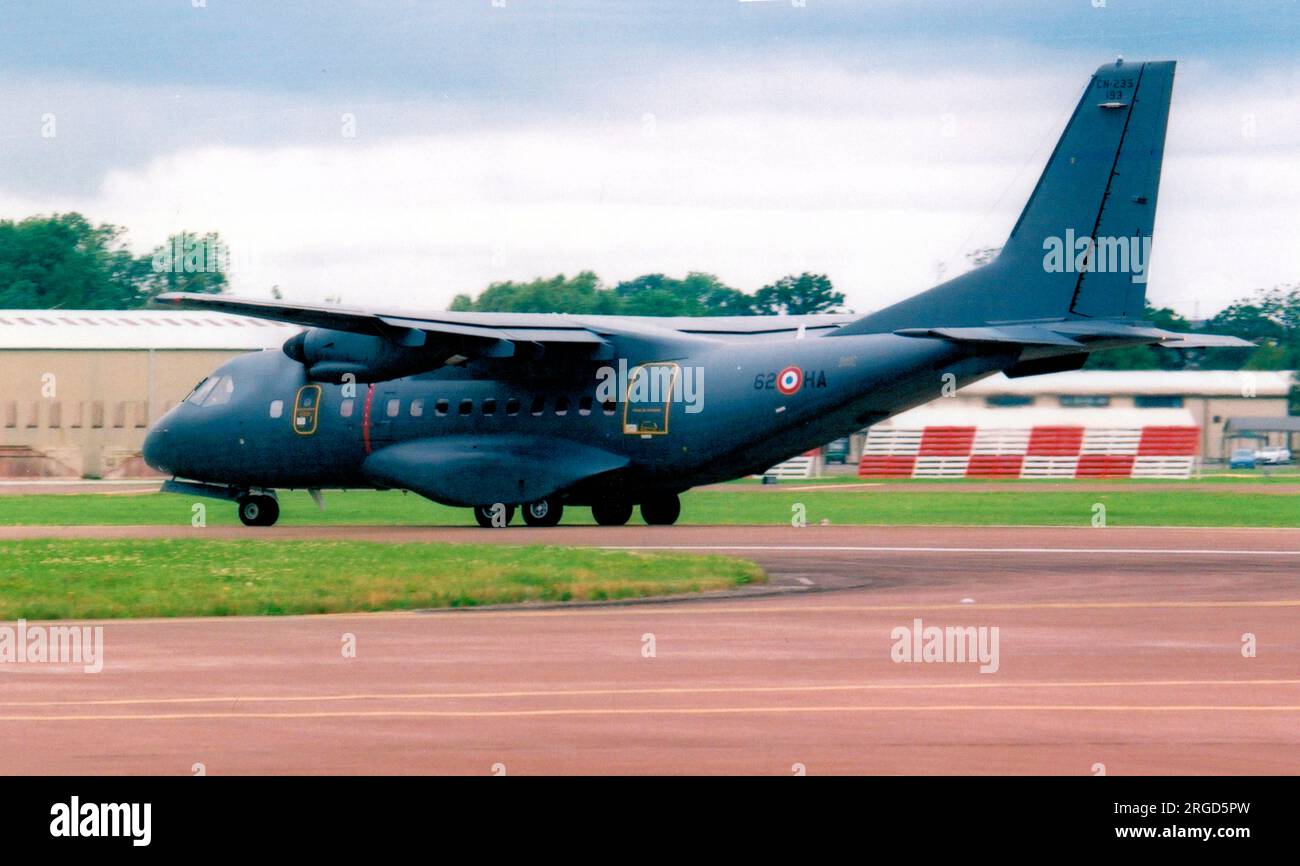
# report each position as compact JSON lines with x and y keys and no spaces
{"x":82,"y":579}
{"x":1138,"y":506}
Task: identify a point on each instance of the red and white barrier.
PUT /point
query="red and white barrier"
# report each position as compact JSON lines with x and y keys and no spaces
{"x":806,"y":465}
{"x":1020,"y":444}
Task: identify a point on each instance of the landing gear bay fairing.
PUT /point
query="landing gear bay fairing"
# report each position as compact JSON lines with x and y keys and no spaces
{"x":504,"y":412}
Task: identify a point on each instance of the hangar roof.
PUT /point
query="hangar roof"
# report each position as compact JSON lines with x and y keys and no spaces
{"x":936,"y":415}
{"x":1263,"y":424}
{"x":1188,"y":383}
{"x":138,"y":329}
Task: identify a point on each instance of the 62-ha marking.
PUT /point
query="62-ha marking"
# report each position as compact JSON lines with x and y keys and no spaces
{"x":790,"y":380}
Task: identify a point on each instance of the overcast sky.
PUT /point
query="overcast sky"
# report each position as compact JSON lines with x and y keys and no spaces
{"x":402,"y":152}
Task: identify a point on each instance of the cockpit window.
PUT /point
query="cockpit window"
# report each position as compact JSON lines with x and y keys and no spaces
{"x":201,"y":390}
{"x":221,"y":393}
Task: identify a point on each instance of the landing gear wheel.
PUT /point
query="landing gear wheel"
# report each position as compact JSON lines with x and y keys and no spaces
{"x":484,"y":515}
{"x":661,"y":510}
{"x":543,"y":512}
{"x":258,"y":510}
{"x":612,"y":513}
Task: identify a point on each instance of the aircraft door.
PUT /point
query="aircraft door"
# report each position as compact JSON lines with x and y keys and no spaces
{"x":649,"y":398}
{"x":383,"y":413}
{"x":306,"y":410}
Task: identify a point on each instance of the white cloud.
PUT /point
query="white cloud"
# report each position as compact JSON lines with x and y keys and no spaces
{"x":750,"y":174}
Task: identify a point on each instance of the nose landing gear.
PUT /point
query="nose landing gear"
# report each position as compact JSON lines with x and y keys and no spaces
{"x":258,"y":510}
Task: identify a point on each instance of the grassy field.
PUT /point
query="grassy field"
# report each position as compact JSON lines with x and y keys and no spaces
{"x":1133,"y":506}
{"x":83,"y":579}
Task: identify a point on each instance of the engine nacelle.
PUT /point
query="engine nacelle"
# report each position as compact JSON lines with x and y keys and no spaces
{"x":330,"y":355}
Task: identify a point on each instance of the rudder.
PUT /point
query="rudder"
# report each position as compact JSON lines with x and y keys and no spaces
{"x":1081,"y":247}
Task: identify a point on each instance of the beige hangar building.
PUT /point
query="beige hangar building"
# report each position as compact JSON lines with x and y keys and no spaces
{"x":81,"y":387}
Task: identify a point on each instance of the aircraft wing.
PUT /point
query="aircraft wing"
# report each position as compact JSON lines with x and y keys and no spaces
{"x":532,"y":327}
{"x":406,"y":329}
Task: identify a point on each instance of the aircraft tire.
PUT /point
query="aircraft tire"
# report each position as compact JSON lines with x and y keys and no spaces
{"x":543,"y":512}
{"x":661,"y":510}
{"x":259,"y":510}
{"x":483,"y":515}
{"x":612,"y":512}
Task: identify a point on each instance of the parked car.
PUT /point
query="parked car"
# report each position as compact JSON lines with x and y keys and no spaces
{"x":1242,"y":458}
{"x":837,"y":451}
{"x":1273,"y":456}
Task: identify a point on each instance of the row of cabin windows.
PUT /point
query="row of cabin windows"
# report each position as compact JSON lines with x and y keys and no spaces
{"x":76,"y":414}
{"x":442,"y":407}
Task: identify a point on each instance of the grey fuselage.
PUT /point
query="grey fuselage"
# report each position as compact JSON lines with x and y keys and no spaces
{"x":738,"y":421}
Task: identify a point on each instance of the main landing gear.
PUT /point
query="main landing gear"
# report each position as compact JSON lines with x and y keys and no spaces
{"x":661,"y":509}
{"x":543,"y":512}
{"x":258,"y":510}
{"x":495,"y":516}
{"x":612,"y":512}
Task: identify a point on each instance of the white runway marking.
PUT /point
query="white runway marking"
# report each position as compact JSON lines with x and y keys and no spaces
{"x":813,"y":548}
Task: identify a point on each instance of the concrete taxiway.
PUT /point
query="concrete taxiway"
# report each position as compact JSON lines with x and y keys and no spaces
{"x":1119,"y":650}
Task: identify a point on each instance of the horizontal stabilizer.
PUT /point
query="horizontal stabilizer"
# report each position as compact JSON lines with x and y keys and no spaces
{"x":1076,"y":334}
{"x":1022,"y":335}
{"x":1205,"y":341}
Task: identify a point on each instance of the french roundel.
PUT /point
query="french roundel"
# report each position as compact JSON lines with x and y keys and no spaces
{"x":789,"y":380}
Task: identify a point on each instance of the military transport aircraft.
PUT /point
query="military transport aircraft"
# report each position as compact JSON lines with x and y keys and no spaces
{"x":495,"y":411}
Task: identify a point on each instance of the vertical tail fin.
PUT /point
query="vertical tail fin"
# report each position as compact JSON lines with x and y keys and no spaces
{"x":1082,"y":245}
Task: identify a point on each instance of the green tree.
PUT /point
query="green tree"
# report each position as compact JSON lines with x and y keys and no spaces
{"x":64,"y":261}
{"x":186,"y":263}
{"x":796,"y":296}
{"x":699,"y":294}
{"x":582,"y":293}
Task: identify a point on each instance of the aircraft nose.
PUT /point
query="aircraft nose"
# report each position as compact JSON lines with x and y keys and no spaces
{"x":158,"y":449}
